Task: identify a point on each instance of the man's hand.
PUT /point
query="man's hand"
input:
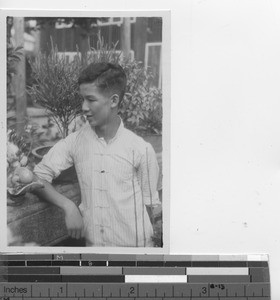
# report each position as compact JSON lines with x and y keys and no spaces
{"x":18,"y":188}
{"x":74,"y":222}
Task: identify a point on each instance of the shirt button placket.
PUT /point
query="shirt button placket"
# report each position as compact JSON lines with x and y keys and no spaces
{"x":103,"y":193}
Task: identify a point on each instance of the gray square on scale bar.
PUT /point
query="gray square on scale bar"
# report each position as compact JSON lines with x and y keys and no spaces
{"x":172,"y":257}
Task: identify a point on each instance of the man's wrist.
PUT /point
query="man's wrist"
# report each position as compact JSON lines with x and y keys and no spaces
{"x":67,"y":205}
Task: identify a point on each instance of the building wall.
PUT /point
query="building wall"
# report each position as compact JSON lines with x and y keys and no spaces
{"x":144,"y":31}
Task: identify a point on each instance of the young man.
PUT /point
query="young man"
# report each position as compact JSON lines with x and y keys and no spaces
{"x":117,"y":170}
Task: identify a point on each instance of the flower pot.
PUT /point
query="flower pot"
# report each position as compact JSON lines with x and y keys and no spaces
{"x":39,"y":152}
{"x":67,"y":176}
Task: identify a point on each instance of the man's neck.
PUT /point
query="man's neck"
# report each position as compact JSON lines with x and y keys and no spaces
{"x":109,"y":130}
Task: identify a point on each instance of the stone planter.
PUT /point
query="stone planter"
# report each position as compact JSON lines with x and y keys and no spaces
{"x":37,"y":221}
{"x":66,"y":176}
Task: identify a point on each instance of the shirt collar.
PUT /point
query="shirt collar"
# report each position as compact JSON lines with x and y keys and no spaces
{"x":118,"y":133}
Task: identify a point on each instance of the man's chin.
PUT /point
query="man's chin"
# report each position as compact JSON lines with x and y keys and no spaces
{"x":92,"y":123}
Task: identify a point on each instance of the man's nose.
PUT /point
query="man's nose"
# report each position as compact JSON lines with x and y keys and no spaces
{"x":85,"y":106}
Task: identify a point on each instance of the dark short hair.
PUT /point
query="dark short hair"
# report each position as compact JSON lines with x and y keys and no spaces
{"x":107,"y":76}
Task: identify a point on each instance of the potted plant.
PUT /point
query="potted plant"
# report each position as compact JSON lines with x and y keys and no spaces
{"x":55,"y":88}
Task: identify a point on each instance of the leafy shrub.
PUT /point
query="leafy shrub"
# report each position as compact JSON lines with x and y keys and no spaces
{"x":141,"y":108}
{"x":55,"y":87}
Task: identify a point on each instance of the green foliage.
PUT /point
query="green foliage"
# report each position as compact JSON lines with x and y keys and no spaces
{"x":102,"y":53}
{"x":55,"y":87}
{"x":141,"y":108}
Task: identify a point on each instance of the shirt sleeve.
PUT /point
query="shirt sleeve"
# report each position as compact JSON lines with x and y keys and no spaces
{"x":58,"y":158}
{"x":148,"y":174}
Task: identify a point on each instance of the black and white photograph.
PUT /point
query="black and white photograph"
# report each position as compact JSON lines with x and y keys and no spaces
{"x":87,"y":130}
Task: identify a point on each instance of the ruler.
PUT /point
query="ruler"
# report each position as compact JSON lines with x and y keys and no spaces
{"x":133,"y":276}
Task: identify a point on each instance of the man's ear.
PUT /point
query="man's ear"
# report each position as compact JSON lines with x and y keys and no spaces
{"x":115,"y":99}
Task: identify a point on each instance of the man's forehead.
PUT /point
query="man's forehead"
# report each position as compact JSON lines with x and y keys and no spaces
{"x":92,"y":88}
{"x":88,"y":85}
{"x":89,"y":88}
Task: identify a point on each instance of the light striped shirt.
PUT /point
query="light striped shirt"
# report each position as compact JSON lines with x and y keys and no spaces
{"x":117,"y":180}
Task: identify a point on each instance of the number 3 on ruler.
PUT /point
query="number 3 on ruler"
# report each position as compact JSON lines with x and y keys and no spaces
{"x":204,"y":290}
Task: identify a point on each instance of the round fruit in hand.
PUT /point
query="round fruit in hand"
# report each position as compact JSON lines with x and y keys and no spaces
{"x":15,"y":179}
{"x":23,"y":161}
{"x":24,"y":174}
